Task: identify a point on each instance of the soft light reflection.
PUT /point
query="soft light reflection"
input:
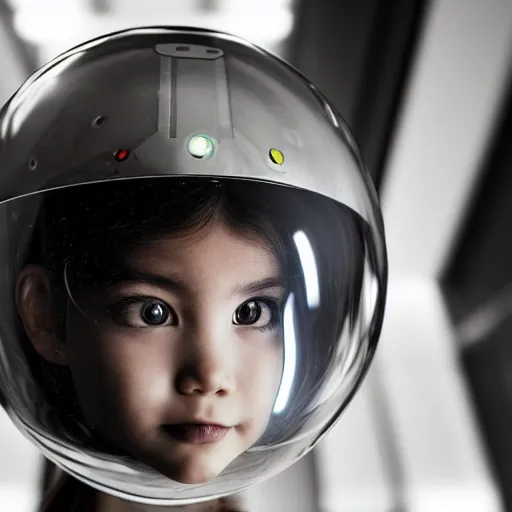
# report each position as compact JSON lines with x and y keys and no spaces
{"x":309,"y":268}
{"x":332,"y":115}
{"x":372,"y":295}
{"x":290,"y":356}
{"x":25,"y":101}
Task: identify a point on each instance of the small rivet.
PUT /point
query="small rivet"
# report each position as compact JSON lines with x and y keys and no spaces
{"x":98,"y":122}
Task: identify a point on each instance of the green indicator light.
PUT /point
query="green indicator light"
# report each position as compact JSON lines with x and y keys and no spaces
{"x":201,"y":146}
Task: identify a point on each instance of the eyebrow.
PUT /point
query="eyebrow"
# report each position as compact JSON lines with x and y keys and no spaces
{"x":258,"y":286}
{"x":174,"y":284}
{"x":131,"y":275}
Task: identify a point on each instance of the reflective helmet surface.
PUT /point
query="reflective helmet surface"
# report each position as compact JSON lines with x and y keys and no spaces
{"x":194,"y":265}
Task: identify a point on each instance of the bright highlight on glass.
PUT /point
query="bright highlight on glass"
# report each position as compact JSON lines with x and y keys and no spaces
{"x":309,"y":269}
{"x":290,"y":357}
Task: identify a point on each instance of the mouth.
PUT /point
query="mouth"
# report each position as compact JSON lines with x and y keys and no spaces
{"x":196,"y":433}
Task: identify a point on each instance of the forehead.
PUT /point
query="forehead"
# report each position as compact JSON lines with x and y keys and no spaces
{"x":214,"y":249}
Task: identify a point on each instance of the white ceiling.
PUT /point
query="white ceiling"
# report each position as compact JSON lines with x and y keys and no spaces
{"x":56,"y":25}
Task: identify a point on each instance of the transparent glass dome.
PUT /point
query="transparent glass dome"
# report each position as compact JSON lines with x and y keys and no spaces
{"x":194,"y":264}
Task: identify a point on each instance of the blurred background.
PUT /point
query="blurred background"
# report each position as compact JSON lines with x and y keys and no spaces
{"x":426,"y":87}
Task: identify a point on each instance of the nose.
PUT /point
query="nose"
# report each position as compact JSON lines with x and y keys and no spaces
{"x":207,"y":369}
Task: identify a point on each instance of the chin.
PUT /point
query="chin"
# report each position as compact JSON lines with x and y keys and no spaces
{"x":191,"y":470}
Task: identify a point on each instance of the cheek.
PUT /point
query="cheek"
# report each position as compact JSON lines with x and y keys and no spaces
{"x":122,"y":379}
{"x":260,"y":376}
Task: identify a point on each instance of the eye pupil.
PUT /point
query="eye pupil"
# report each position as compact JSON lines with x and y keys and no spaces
{"x":248,"y":313}
{"x":155,"y":313}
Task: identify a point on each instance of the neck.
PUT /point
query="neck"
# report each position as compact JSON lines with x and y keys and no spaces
{"x":107,"y":503}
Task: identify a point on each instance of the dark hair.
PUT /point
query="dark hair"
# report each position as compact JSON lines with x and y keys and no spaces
{"x":90,"y":229}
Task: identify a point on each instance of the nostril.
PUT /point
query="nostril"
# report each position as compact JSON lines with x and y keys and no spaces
{"x":203,"y":379}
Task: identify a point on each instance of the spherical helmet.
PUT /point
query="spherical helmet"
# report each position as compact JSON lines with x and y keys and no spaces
{"x":194,"y":265}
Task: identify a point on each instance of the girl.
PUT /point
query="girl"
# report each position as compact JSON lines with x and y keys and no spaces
{"x":152,"y":312}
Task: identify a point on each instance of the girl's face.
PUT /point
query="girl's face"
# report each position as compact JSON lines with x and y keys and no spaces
{"x":183,"y":368}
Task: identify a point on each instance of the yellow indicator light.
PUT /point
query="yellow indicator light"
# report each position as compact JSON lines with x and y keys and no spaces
{"x":276,"y":156}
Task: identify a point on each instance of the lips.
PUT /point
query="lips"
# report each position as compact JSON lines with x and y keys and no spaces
{"x":196,"y":433}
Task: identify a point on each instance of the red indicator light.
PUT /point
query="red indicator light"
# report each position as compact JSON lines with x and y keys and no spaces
{"x":121,"y":155}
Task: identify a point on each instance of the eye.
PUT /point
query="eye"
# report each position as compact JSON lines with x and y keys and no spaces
{"x":248,"y":313}
{"x":257,"y":313}
{"x":142,"y":312}
{"x":154,"y":312}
